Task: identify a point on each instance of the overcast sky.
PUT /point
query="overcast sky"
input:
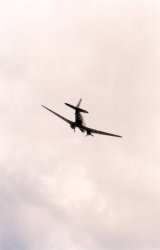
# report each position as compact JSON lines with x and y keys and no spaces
{"x":60,"y":190}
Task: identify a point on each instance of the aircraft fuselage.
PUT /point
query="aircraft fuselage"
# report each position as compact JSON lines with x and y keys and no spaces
{"x":78,"y":122}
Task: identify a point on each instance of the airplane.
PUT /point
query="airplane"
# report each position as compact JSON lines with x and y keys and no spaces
{"x":79,"y":122}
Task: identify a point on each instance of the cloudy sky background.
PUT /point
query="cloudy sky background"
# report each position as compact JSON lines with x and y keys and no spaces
{"x":60,"y":190}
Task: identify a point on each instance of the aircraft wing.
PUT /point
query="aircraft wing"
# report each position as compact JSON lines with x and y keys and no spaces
{"x":91,"y":130}
{"x":63,"y":118}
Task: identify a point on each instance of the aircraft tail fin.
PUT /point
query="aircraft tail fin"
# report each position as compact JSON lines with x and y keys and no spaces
{"x":79,"y":103}
{"x":77,"y":107}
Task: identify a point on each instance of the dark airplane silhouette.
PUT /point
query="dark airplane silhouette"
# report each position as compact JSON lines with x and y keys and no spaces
{"x":79,"y":123}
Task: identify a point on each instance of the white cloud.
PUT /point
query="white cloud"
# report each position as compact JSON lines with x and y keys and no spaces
{"x":60,"y":190}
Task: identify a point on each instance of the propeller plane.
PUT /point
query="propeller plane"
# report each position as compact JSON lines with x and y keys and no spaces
{"x":79,"y":122}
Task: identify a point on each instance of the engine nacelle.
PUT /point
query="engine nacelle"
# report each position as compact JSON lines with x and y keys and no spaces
{"x":73,"y":126}
{"x":89,"y":133}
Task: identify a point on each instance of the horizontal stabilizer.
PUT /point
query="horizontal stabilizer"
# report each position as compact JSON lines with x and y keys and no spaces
{"x":76,"y":108}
